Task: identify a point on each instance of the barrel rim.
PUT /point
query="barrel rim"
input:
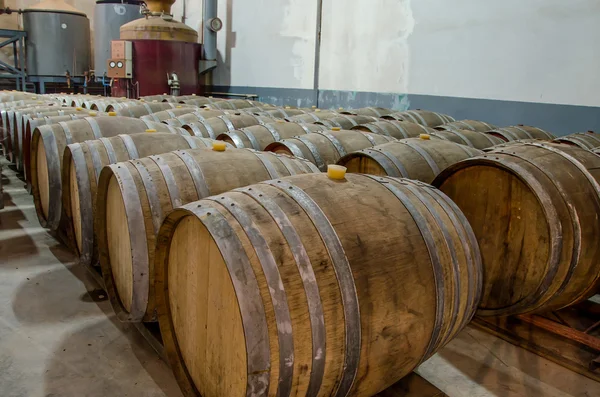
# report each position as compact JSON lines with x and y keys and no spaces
{"x":554,"y":227}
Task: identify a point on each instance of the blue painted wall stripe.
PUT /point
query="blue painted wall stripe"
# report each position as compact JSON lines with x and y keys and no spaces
{"x":558,"y":119}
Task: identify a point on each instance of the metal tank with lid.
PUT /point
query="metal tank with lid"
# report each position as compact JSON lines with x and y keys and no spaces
{"x":163,"y":48}
{"x":109,"y":16}
{"x":58,"y":39}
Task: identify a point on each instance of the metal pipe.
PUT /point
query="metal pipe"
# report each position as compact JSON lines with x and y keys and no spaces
{"x":318,"y":50}
{"x":209,"y":45}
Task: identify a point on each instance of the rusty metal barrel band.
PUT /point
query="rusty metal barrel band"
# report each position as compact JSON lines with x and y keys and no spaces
{"x":588,"y":135}
{"x":276,"y":288}
{"x":151,"y":194}
{"x":449,"y":243}
{"x":193,"y":143}
{"x":273,"y":132}
{"x":417,"y":117}
{"x":305,"y":128}
{"x":289,"y":164}
{"x":350,"y":119}
{"x":524,"y":131}
{"x":345,"y":279}
{"x":227,"y":122}
{"x":504,"y":132}
{"x":237,"y":141}
{"x":85,"y":200}
{"x":466,"y":140}
{"x":436,"y":265}
{"x":375,"y":129}
{"x":313,"y":150}
{"x":169,"y":178}
{"x":374,"y":110}
{"x":309,"y":281}
{"x":196,"y":172}
{"x":469,"y":245}
{"x":425,"y":155}
{"x":95,"y":127}
{"x":250,"y":135}
{"x":130,"y":146}
{"x":574,"y":218}
{"x":139,"y":244}
{"x":384,"y":157}
{"x":263,"y":157}
{"x":370,"y":139}
{"x":67,"y":132}
{"x":487,"y":125}
{"x":110,"y":150}
{"x":335,"y":142}
{"x":399,"y":127}
{"x":248,"y":296}
{"x":471,"y":238}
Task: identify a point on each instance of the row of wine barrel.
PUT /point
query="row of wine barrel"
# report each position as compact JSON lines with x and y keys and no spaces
{"x":450,"y":307}
{"x":238,"y":274}
{"x":134,"y":196}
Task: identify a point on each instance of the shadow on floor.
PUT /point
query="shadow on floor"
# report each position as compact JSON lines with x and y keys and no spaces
{"x":96,"y":361}
{"x":49,"y":297}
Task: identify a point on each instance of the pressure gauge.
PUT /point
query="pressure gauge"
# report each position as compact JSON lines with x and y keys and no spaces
{"x":119,"y":64}
{"x":112,"y":64}
{"x":215,"y":24}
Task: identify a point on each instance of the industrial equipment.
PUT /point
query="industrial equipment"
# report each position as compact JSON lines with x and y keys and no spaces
{"x":165,"y":55}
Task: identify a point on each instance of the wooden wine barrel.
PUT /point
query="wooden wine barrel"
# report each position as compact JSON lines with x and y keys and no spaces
{"x":17,"y":96}
{"x":14,"y":122}
{"x":423,"y":117}
{"x":189,"y":118}
{"x":312,"y":293}
{"x":79,"y":100}
{"x":475,"y":139}
{"x":201,"y":101}
{"x":126,"y":229}
{"x":102,"y":103}
{"x":159,"y":117}
{"x":214,"y":126}
{"x":116,"y":106}
{"x":414,"y":158}
{"x":47,"y":148}
{"x":521,"y":132}
{"x":285,"y":112}
{"x":395,"y":129}
{"x":370,"y":111}
{"x":33,"y":123}
{"x":534,"y":208}
{"x":312,"y":117}
{"x":233,"y":104}
{"x":327,"y":147}
{"x":160,"y":98}
{"x":347,"y":121}
{"x":83,"y":163}
{"x":587,"y":140}
{"x":144,"y":109}
{"x":21,"y":119}
{"x":258,"y":137}
{"x":473,"y":125}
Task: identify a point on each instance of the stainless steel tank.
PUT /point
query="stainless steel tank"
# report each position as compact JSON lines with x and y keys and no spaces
{"x":109,"y":16}
{"x":58,"y":40}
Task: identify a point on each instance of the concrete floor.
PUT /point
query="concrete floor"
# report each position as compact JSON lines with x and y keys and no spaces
{"x":58,"y":340}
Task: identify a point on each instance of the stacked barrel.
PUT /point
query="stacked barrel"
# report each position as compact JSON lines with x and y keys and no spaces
{"x":298,"y":251}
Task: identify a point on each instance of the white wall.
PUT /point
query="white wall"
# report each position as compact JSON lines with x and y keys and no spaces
{"x":526,"y":50}
{"x":267,"y":43}
{"x":523,"y":50}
